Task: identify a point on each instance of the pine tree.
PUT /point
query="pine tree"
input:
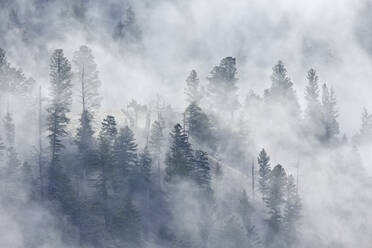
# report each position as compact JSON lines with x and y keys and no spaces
{"x":12,"y":80}
{"x":60,"y":93}
{"x":88,"y":78}
{"x":198,"y":126}
{"x":126,"y":170}
{"x":275,"y":201}
{"x":179,"y":161}
{"x":145,"y":162}
{"x":330,"y":124}
{"x":292,"y":212}
{"x":313,"y":111}
{"x":365,"y":133}
{"x":201,"y":171}
{"x":156,"y":144}
{"x":281,"y":90}
{"x":264,"y":174}
{"x":104,"y":183}
{"x":222,"y":87}
{"x":193,"y":90}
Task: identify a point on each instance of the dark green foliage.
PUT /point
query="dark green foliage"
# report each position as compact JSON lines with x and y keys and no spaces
{"x":179,"y":160}
{"x":264,"y":171}
{"x":198,"y":126}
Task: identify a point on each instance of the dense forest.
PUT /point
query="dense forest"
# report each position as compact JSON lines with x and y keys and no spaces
{"x":228,"y":169}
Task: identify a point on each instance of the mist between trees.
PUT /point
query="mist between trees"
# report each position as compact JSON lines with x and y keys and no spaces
{"x":220,"y":173}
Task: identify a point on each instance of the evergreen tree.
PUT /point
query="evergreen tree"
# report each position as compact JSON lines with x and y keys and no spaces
{"x":156,"y":144}
{"x":193,"y":90}
{"x":314,"y":115}
{"x":60,"y":92}
{"x":198,"y":126}
{"x":201,"y":171}
{"x":275,"y":201}
{"x":12,"y":80}
{"x":292,"y":212}
{"x":126,"y":170}
{"x":330,"y":124}
{"x":179,"y":161}
{"x":222,"y":87}
{"x":104,"y":183}
{"x":87,"y":76}
{"x":365,"y":133}
{"x":145,"y":162}
{"x":281,"y":90}
{"x":264,"y":174}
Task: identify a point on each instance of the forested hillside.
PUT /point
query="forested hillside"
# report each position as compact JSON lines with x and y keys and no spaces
{"x":127,"y":157}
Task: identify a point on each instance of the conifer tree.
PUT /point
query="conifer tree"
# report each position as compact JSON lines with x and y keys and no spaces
{"x":222,"y":88}
{"x":12,"y":80}
{"x":126,"y":170}
{"x":330,"y":124}
{"x":264,"y":174}
{"x":156,"y":144}
{"x":106,"y":140}
{"x":281,"y":90}
{"x":313,"y":112}
{"x":201,"y":171}
{"x":145,"y":162}
{"x":88,"y":77}
{"x":193,"y":90}
{"x":276,"y":198}
{"x":365,"y":133}
{"x":60,"y":93}
{"x":198,"y":126}
{"x":179,"y":161}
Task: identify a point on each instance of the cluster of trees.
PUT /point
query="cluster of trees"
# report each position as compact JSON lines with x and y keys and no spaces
{"x":108,"y":190}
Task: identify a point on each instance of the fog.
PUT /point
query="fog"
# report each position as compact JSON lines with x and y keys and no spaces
{"x":148,"y":60}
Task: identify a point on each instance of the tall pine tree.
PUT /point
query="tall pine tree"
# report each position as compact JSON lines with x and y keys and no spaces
{"x":179,"y":161}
